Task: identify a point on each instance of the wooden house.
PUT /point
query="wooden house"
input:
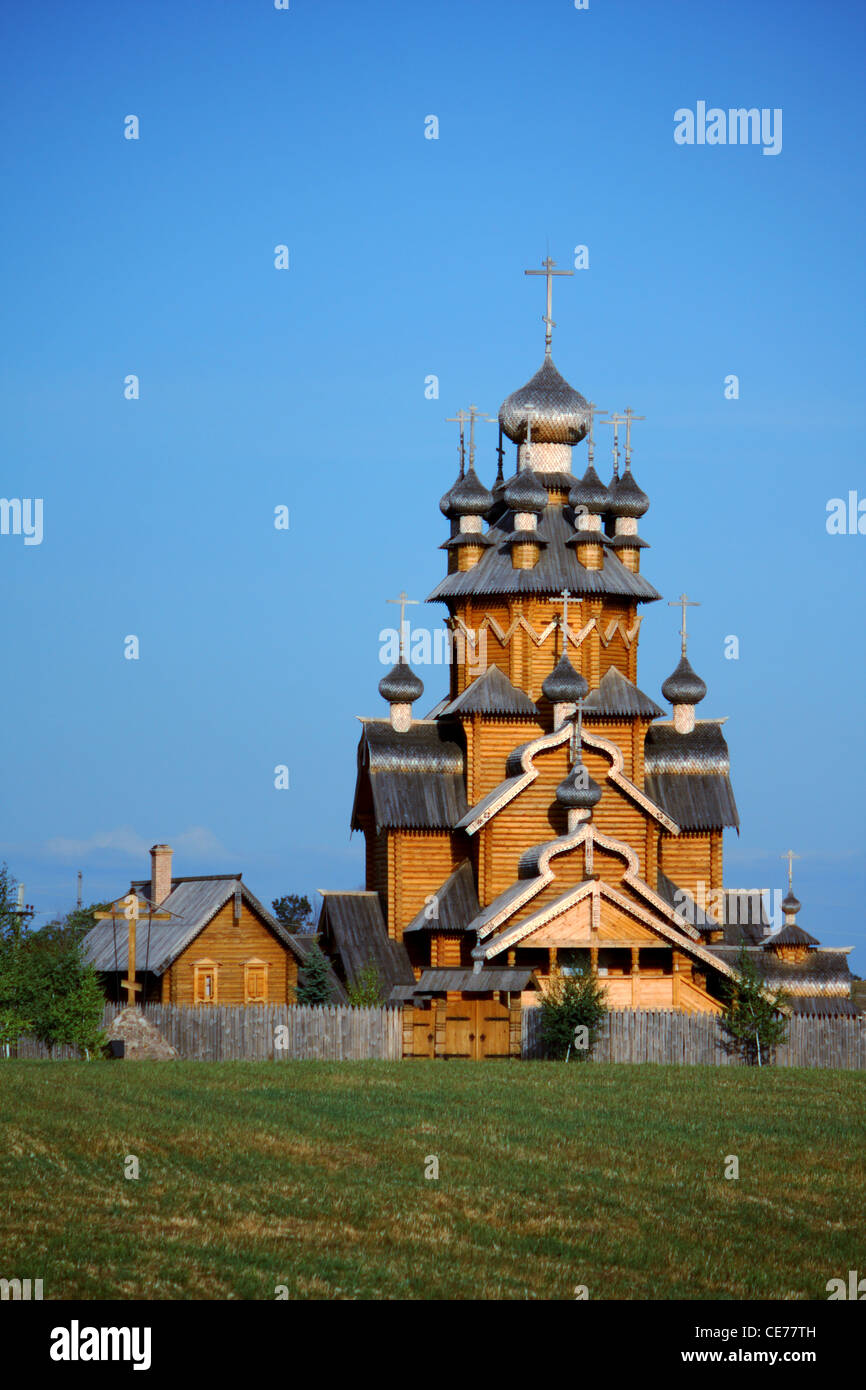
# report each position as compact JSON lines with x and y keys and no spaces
{"x":546,"y":813}
{"x":215,"y":943}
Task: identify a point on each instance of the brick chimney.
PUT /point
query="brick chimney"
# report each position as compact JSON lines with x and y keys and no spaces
{"x":160,"y":873}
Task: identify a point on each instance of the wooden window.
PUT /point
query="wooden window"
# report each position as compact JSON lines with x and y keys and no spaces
{"x":255,"y":982}
{"x":205,"y":982}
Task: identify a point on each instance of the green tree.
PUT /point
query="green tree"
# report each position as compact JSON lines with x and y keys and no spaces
{"x":293,"y":912}
{"x":73,"y":926}
{"x":59,"y":993}
{"x":751,"y":1017}
{"x":316,"y":988}
{"x":572,"y":1001}
{"x":366,"y":990}
{"x":14,"y":1018}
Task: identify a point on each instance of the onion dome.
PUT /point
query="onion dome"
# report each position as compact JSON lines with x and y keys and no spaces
{"x":469,"y":496}
{"x":564,"y":685}
{"x":578,"y":791}
{"x":627,"y":499}
{"x":558,"y":412}
{"x":684,"y":686}
{"x":590,"y":492}
{"x":446,"y":505}
{"x":525,"y":493}
{"x":401,"y":686}
{"x":790,"y":904}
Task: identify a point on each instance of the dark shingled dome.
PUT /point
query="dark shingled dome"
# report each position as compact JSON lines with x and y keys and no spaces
{"x":684,"y":686}
{"x":401,"y":686}
{"x":559,"y":414}
{"x":525,"y":493}
{"x":591,"y":493}
{"x":578,"y":791}
{"x":627,"y":499}
{"x":469,"y":496}
{"x":790,"y":903}
{"x":564,"y":685}
{"x":445,"y":505}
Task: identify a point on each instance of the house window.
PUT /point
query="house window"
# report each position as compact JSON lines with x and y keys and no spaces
{"x":256,"y":982}
{"x":205,"y":977}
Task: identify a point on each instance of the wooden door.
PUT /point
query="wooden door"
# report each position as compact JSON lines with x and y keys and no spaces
{"x":460,"y":1031}
{"x":492,"y":1030}
{"x":423,"y":1032}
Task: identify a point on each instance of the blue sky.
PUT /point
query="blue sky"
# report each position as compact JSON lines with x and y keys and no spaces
{"x":306,"y":388}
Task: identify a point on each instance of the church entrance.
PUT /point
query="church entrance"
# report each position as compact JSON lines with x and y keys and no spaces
{"x":476,"y":1029}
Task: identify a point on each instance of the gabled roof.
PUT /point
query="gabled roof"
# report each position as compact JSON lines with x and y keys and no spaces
{"x":617,"y":698}
{"x":193,"y":902}
{"x":823,"y":974}
{"x":415,"y":778}
{"x":456,"y":904}
{"x":687,"y":775}
{"x":790,"y":935}
{"x":354,"y":929}
{"x":475,"y":982}
{"x":557,"y":568}
{"x":493,"y":693}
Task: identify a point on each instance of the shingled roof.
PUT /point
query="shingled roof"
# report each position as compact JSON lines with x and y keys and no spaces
{"x":617,"y":698}
{"x":353,"y":931}
{"x":557,"y":568}
{"x":456,"y":904}
{"x":493,"y":693}
{"x":415,"y":778}
{"x":823,"y":975}
{"x":193,"y":902}
{"x":687,"y":775}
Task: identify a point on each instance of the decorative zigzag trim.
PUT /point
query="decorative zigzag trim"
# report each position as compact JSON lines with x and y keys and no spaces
{"x":504,"y":635}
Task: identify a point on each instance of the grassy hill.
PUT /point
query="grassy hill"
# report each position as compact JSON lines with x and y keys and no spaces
{"x":312,"y":1175}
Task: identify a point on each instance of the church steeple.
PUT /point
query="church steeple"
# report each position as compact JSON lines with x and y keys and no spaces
{"x":401,"y":687}
{"x":684,"y":687}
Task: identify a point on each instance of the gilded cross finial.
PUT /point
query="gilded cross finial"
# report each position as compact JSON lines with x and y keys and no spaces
{"x":683,"y":602}
{"x":403,"y":601}
{"x":548,"y":320}
{"x":460,"y":418}
{"x":475,"y":414}
{"x":592,"y":411}
{"x":790,"y":856}
{"x":629,"y":416}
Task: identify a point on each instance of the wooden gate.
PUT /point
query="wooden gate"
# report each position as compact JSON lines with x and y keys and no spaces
{"x":476,"y":1028}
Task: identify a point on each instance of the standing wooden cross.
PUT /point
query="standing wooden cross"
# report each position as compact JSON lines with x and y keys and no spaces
{"x":549,"y":272}
{"x":790,"y":856}
{"x":629,"y":416}
{"x":131,"y":909}
{"x":402,"y":600}
{"x":683,"y":602}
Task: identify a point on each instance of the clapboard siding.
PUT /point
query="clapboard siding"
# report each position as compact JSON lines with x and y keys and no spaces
{"x":666,"y":1035}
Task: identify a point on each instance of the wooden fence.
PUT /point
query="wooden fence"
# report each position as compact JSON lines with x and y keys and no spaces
{"x":664,"y":1035}
{"x":263,"y":1032}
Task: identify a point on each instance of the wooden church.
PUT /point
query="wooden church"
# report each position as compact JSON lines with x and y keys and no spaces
{"x":547,"y":813}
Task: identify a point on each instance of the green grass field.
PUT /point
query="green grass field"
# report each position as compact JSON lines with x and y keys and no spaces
{"x":312,"y":1175}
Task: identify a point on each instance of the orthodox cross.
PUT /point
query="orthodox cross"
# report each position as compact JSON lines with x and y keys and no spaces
{"x":683,"y":602}
{"x":460,"y":418}
{"x":500,"y":454}
{"x":592,"y":411}
{"x":615,"y":421}
{"x":565,"y":595}
{"x":790,"y":856}
{"x":475,"y":414}
{"x":629,"y":416}
{"x":549,"y":272}
{"x":402,"y":600}
{"x":131,"y":907}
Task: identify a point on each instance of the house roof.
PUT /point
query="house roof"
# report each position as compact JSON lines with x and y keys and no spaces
{"x":473,"y":982}
{"x":415,"y":778}
{"x":824,"y":972}
{"x":492,"y":693}
{"x":790,"y":935}
{"x":687,"y":775}
{"x":557,"y":568}
{"x":193,"y":902}
{"x":456,"y":904}
{"x":617,"y":698}
{"x":354,"y":929}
